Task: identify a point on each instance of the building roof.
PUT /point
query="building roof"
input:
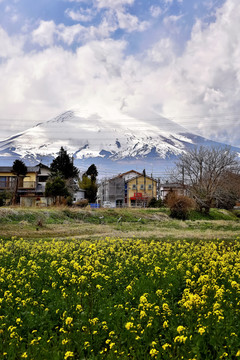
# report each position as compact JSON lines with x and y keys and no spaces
{"x":5,"y":169}
{"x":36,"y":168}
{"x":128,"y":172}
{"x":141,"y":175}
{"x":9,"y":169}
{"x":41,"y":165}
{"x":172,"y":185}
{"x":125,"y":174}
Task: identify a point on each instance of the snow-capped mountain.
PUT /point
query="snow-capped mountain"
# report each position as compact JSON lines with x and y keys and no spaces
{"x":108,"y":137}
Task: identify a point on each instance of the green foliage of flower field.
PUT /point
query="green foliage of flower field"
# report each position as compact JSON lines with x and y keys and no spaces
{"x":119,"y":299}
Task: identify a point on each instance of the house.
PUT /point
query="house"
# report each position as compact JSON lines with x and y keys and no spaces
{"x":168,"y":187}
{"x":78,"y":195}
{"x":140,"y":190}
{"x":131,"y":188}
{"x":113,"y":192}
{"x":31,"y":188}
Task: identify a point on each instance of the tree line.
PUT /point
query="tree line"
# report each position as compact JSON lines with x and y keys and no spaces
{"x":63,"y":181}
{"x":209,"y":176}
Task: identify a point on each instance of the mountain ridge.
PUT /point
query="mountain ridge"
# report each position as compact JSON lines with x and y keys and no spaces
{"x":108,"y":137}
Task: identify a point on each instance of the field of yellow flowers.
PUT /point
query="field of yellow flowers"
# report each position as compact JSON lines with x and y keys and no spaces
{"x":119,"y":299}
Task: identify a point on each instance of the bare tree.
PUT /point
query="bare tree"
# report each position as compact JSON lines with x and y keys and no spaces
{"x":228,"y":192}
{"x":205,"y":170}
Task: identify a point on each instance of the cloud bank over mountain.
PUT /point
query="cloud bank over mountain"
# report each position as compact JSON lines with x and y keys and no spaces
{"x":173,"y":56}
{"x":91,"y":136}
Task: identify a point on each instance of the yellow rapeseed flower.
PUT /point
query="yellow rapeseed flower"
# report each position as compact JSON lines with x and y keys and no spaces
{"x":180,"y":328}
{"x":68,"y":354}
{"x":153,"y":352}
{"x":201,"y":330}
{"x":69,"y":320}
{"x":129,"y":325}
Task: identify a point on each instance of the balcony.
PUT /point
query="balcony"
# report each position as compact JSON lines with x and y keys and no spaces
{"x":5,"y":185}
{"x":27,"y":185}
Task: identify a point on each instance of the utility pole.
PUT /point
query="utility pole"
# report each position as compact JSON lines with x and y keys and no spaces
{"x":158,"y":189}
{"x":183,"y":175}
{"x":144,"y":187}
{"x":152,"y":184}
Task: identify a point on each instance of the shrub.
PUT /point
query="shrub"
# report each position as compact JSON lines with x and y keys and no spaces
{"x":81,"y":203}
{"x":154,"y":203}
{"x":5,"y":196}
{"x":69,"y":200}
{"x":180,"y":206}
{"x":159,"y":203}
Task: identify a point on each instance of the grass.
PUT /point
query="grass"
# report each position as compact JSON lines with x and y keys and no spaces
{"x":214,"y":214}
{"x":64,"y":222}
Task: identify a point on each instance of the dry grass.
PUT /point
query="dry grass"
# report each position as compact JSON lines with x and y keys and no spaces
{"x":62,"y":222}
{"x":27,"y":231}
{"x":170,"y":229}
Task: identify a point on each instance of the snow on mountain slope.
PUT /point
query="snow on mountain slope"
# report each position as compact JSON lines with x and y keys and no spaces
{"x":102,"y":133}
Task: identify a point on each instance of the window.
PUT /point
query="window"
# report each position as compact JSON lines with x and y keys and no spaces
{"x":43,"y":178}
{"x":3,"y":181}
{"x":134,"y":186}
{"x":150,"y":186}
{"x":142,"y":187}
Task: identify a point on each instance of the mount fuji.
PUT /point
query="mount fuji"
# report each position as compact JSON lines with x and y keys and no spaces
{"x":112,"y":139}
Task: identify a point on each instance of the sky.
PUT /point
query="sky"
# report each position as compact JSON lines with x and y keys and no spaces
{"x":180,"y":58}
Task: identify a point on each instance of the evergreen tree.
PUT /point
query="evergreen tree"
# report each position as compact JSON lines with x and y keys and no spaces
{"x":63,"y":166}
{"x":92,"y":172}
{"x":56,"y":187}
{"x":20,"y":170}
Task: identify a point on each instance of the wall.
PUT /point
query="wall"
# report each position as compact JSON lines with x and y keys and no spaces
{"x":29,"y":180}
{"x":138,"y":182}
{"x":78,"y":195}
{"x":29,"y":201}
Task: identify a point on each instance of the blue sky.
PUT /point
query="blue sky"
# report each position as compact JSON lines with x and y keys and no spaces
{"x":179,"y":57}
{"x":23,"y":16}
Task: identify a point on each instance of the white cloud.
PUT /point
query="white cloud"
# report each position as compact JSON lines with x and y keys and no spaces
{"x":172,"y":19}
{"x":81,"y":15}
{"x":10,"y":46}
{"x":40,"y":85}
{"x":12,"y":14}
{"x":205,"y":80}
{"x":201,"y":84}
{"x":155,"y":11}
{"x":199,"y":89}
{"x":162,"y":52}
{"x":130,"y":22}
{"x":48,"y":33}
{"x":112,"y":12}
{"x":113,"y":4}
{"x":44,"y":34}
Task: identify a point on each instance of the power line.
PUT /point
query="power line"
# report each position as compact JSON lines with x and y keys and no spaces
{"x":127,"y":118}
